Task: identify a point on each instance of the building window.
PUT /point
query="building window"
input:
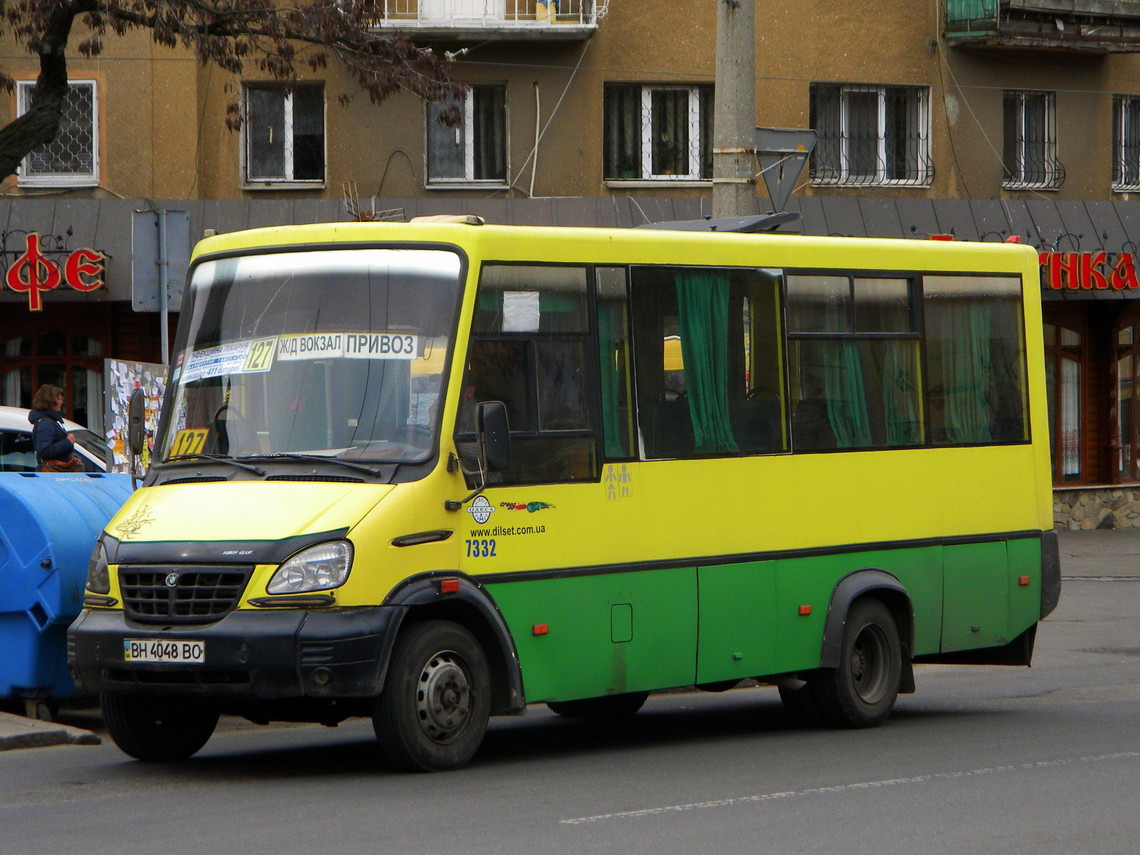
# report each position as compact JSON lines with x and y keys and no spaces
{"x":476,"y":148}
{"x":72,"y":158}
{"x":71,"y":361}
{"x":1029,"y":147}
{"x":1063,"y":359}
{"x":1126,"y":142}
{"x":871,"y":135}
{"x":284,"y":133}
{"x":1126,"y":430}
{"x":658,"y":133}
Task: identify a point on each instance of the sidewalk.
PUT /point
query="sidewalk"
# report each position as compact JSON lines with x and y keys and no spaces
{"x":19,"y":732}
{"x":1106,"y":554}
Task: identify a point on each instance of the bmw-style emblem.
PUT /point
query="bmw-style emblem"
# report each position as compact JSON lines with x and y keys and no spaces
{"x":172,"y":580}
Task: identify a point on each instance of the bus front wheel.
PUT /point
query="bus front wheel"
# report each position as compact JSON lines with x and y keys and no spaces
{"x":862,"y":691}
{"x":158,"y":728}
{"x":433,"y":712}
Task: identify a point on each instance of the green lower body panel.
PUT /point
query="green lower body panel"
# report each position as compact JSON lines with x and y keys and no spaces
{"x":602,"y":633}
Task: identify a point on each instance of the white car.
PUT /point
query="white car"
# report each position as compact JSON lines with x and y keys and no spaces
{"x":18,"y":455}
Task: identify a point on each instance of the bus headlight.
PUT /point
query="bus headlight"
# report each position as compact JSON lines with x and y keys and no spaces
{"x":317,"y":568}
{"x":98,"y":573}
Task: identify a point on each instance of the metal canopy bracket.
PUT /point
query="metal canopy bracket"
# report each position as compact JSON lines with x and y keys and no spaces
{"x":782,"y":153}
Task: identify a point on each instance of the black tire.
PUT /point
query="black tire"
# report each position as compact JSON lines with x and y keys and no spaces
{"x":607,"y":708}
{"x":433,"y":712}
{"x":862,"y":691}
{"x":158,"y":728}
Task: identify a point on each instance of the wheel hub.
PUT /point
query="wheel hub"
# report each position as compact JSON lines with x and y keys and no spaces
{"x":868,"y":668}
{"x":443,"y":697}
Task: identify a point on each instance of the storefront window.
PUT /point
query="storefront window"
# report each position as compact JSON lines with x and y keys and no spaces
{"x":72,"y":362}
{"x":1064,"y":354}
{"x":1127,"y":404}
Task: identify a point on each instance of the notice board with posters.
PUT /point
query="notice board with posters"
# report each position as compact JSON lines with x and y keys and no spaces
{"x":122,"y":378}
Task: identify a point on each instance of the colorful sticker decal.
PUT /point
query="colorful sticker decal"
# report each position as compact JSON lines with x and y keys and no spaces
{"x":529,"y":507}
{"x":481,"y":510}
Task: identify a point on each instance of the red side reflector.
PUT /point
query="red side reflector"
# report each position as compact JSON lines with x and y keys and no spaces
{"x":448,"y":586}
{"x":805,"y":611}
{"x":541,"y":628}
{"x":940,"y":237}
{"x":1013,"y":239}
{"x":1023,"y":581}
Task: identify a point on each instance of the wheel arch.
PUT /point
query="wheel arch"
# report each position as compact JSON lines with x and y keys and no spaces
{"x":880,"y":585}
{"x":426,"y":598}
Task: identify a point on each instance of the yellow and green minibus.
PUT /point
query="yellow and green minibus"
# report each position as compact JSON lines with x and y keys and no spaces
{"x":431,"y":472}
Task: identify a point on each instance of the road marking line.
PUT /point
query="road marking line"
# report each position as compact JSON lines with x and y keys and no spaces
{"x":844,"y":788}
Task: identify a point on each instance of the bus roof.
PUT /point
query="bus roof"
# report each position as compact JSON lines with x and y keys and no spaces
{"x":566,"y":244}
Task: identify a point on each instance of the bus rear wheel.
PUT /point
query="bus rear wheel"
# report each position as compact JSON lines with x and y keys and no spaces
{"x":433,"y":712}
{"x":862,"y":691}
{"x":609,"y":707}
{"x":158,"y":728}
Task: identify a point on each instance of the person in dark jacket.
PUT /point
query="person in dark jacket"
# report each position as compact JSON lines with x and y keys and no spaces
{"x":50,"y":439}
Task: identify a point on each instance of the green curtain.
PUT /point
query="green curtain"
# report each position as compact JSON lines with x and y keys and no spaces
{"x":846,"y":396}
{"x":843,"y":383}
{"x":967,"y":371}
{"x":900,"y":394}
{"x":610,"y":337}
{"x":702,"y":309}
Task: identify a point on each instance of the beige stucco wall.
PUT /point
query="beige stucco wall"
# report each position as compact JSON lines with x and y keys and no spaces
{"x":147,"y":108}
{"x":163,"y":132}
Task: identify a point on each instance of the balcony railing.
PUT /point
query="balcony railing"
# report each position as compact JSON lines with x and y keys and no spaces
{"x":1093,"y":26}
{"x":504,"y":19}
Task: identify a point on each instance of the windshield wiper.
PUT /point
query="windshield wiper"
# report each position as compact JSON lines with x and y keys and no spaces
{"x":293,"y":455}
{"x":214,"y":458}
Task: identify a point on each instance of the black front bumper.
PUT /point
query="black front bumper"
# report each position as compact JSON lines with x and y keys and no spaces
{"x":262,"y":655}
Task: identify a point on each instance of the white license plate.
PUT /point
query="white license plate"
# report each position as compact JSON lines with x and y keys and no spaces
{"x":162,"y":650}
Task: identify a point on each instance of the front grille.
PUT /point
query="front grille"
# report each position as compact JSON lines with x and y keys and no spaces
{"x":181,"y":594}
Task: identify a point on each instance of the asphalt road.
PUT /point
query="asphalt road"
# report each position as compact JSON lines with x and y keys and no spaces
{"x":980,"y":760}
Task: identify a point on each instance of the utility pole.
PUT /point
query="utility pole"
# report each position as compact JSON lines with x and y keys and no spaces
{"x":734,"y":117}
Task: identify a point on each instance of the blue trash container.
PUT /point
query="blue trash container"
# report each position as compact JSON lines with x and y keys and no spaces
{"x":48,"y":527}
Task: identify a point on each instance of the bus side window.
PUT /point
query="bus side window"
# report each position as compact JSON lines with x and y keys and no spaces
{"x":709,"y":362}
{"x":975,"y":345}
{"x":615,"y":372}
{"x":530,"y":350}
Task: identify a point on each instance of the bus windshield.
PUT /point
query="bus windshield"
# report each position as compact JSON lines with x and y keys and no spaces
{"x":335,"y":353}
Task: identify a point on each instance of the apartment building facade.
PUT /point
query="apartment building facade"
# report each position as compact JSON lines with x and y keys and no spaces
{"x":976,"y":119}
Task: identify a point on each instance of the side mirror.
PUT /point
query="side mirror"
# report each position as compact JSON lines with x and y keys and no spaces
{"x":494,"y":435}
{"x":136,"y":422}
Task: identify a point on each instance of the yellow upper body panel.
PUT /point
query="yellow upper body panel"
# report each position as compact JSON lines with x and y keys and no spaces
{"x":245,"y":510}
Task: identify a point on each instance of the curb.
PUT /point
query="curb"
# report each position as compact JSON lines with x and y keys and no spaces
{"x":19,"y":732}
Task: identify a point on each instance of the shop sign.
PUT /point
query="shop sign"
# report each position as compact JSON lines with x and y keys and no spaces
{"x":1089,"y":271}
{"x":35,"y":269}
